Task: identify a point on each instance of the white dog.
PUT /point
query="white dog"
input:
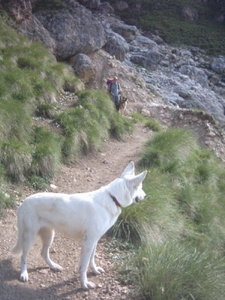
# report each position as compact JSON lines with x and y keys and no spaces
{"x":84,"y":215}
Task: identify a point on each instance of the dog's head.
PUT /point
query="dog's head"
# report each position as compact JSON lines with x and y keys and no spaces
{"x":134,"y":183}
{"x":123,"y":100}
{"x":127,"y":189}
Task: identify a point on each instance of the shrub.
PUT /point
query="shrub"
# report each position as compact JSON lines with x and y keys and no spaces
{"x":156,"y":218}
{"x":46,"y":154}
{"x":178,"y":271}
{"x":45,"y":110}
{"x":37,"y":182}
{"x":15,"y":122}
{"x":16,"y":159}
{"x":150,"y":123}
{"x":89,"y":122}
{"x":153,"y":125}
{"x":168,"y":149}
{"x":120,"y":126}
{"x":6,"y":201}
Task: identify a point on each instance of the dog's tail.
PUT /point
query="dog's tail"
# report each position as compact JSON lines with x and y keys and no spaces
{"x":17,"y":249}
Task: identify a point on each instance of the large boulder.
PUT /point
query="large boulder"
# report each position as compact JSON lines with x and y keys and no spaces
{"x":145,"y":42}
{"x":196,"y":74}
{"x":218,"y":64}
{"x":74,"y":31}
{"x":83,"y":67}
{"x":116,"y":45}
{"x":127,"y":31}
{"x":148,"y":60}
{"x":105,"y":7}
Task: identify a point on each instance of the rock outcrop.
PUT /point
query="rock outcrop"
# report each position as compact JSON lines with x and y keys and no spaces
{"x":71,"y":31}
{"x":83,"y":67}
{"x":180,"y":77}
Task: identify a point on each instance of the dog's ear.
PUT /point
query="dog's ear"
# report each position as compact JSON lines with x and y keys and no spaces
{"x":137,"y":180}
{"x":129,"y":170}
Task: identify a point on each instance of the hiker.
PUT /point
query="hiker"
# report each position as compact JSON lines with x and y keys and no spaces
{"x":114,"y":90}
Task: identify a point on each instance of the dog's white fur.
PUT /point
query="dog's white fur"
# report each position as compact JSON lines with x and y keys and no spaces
{"x":84,"y":215}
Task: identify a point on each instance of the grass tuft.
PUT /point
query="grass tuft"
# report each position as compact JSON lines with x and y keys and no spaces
{"x":150,"y":123}
{"x":46,"y":154}
{"x":175,"y":271}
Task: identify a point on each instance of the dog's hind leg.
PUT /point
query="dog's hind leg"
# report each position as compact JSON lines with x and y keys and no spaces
{"x":47,"y":237}
{"x":28,"y":241}
{"x":95,"y":269}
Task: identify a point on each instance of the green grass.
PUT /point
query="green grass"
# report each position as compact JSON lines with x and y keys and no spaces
{"x":168,"y":149}
{"x":144,"y":222}
{"x":179,"y":271}
{"x":149,"y":123}
{"x":92,"y":119}
{"x":178,"y":230}
{"x":120,"y":126}
{"x":38,"y":182}
{"x":46,"y":153}
{"x":16,"y":158}
{"x":204,"y":32}
{"x":6,"y":200}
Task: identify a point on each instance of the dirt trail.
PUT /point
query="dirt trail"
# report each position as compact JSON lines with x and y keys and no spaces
{"x":86,"y":174}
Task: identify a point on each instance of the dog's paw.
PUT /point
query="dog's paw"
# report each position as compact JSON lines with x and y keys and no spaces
{"x":24,"y":276}
{"x":98,"y":270}
{"x":56,"y":267}
{"x":88,"y":285}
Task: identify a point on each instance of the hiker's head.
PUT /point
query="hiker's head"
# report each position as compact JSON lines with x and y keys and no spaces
{"x":115,"y":79}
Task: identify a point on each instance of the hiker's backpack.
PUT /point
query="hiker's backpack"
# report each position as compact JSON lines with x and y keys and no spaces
{"x":109,"y":81}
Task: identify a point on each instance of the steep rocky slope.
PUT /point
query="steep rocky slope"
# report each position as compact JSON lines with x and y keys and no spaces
{"x":184,"y":76}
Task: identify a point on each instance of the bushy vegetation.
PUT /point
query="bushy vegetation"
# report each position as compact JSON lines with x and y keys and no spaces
{"x":178,"y":231}
{"x":91,"y":120}
{"x":36,"y":133}
{"x":150,"y":123}
{"x":165,"y":19}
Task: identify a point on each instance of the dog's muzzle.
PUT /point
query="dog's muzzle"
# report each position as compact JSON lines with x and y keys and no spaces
{"x":137,"y":199}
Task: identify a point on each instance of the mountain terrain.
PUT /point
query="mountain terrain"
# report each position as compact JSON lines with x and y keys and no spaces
{"x":177,"y":86}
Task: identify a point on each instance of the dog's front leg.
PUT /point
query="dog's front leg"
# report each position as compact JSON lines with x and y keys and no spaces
{"x":87,"y":249}
{"x":95,"y":269}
